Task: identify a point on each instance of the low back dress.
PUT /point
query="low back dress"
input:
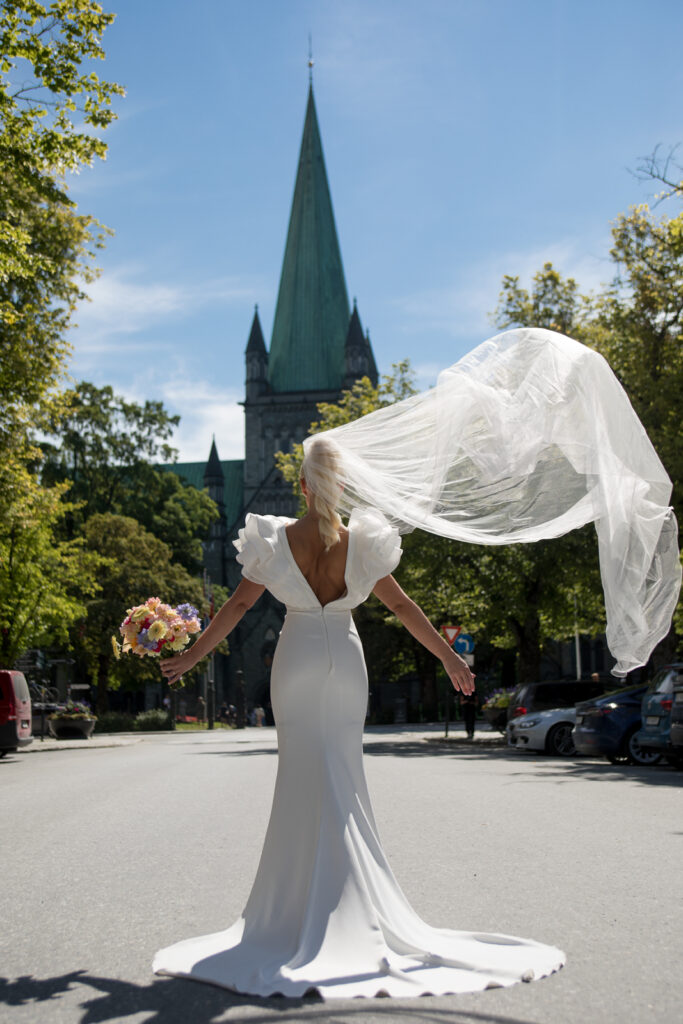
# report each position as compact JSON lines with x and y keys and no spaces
{"x":325,"y":912}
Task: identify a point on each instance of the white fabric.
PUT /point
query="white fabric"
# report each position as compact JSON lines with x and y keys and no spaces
{"x":527,"y":437}
{"x":325,"y":911}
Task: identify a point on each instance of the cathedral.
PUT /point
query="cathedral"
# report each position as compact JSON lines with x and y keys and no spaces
{"x":317,"y":349}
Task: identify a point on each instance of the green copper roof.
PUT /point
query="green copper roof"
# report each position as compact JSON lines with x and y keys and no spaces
{"x":312,"y":312}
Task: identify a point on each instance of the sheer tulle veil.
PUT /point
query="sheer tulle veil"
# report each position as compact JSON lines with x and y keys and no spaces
{"x":527,"y":437}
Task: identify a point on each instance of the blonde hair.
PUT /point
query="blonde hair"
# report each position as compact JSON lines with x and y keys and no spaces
{"x":321,"y":472}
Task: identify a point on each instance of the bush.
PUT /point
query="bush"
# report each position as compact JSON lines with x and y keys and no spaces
{"x":148,"y":721}
{"x":115,"y":721}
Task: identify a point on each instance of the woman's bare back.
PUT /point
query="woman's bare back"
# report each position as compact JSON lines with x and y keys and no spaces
{"x":324,"y":571}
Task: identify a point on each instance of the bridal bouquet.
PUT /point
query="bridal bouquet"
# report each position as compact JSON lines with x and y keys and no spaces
{"x":150,"y":627}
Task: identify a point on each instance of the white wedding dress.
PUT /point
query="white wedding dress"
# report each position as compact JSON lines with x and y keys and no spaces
{"x":325,"y":912}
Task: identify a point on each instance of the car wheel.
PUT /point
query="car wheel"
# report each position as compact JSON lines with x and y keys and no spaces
{"x":559,"y":740}
{"x":639,"y":755}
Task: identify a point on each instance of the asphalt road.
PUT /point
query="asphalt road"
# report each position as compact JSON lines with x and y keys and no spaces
{"x":111,"y":853}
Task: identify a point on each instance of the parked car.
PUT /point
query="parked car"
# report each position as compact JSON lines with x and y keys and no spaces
{"x":655,"y":731}
{"x":676,"y":735}
{"x":15,"y":712}
{"x":608,"y":726}
{"x":553,"y":693}
{"x":550,"y":731}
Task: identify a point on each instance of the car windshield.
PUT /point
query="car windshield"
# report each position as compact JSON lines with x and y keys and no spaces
{"x":665,"y":680}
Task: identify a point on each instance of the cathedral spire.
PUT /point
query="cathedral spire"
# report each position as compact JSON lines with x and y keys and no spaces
{"x":312,"y":312}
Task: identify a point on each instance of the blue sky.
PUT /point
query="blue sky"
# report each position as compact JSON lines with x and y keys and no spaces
{"x":464,"y":139}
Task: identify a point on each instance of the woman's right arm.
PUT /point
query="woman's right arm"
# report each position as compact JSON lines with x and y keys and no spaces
{"x":223,"y":622}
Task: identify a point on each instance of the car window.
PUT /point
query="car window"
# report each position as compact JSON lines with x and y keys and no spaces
{"x":21,"y":687}
{"x":665,"y":681}
{"x":521,"y":695}
{"x":554,"y":695}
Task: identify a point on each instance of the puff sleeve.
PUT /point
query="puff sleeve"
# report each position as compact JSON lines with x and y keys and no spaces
{"x":258,"y":549}
{"x":377,"y":548}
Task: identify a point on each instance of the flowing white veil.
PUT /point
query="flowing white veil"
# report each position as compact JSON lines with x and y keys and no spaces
{"x":527,"y":437}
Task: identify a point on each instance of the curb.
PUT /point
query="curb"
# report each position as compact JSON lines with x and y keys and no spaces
{"x":37,"y":746}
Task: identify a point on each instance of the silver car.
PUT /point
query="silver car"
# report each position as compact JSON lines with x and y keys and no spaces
{"x":550,"y":731}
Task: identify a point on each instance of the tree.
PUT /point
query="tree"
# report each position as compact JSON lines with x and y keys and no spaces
{"x":105,"y":447}
{"x":51,"y":112}
{"x":636,"y":322}
{"x":134,"y":565}
{"x":44,"y":581}
{"x":640,"y":328}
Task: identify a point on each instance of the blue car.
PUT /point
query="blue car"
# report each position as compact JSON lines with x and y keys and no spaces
{"x":608,"y":726}
{"x":655,"y":733}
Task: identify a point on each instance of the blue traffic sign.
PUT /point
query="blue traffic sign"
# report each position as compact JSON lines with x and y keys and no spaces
{"x":464,"y":644}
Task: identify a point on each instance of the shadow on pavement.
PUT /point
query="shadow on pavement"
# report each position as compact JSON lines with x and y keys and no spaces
{"x":531,"y":765}
{"x":176,"y":1001}
{"x":534,"y":765}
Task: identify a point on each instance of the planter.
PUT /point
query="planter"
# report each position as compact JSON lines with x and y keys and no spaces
{"x":497,"y":717}
{"x":67,"y":728}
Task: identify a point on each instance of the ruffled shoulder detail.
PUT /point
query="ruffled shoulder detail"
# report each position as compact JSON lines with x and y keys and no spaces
{"x":259,"y":550}
{"x":376,"y":547}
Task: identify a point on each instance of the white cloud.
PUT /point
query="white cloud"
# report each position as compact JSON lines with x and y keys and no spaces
{"x":121,"y":304}
{"x":460,"y":308}
{"x":205,"y":411}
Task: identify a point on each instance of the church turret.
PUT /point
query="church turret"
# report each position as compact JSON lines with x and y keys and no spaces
{"x":214,"y":481}
{"x":358,"y":358}
{"x":256,"y":358}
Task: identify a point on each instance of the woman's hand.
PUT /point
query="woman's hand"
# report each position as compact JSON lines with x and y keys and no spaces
{"x":458,"y":672}
{"x":173,"y":668}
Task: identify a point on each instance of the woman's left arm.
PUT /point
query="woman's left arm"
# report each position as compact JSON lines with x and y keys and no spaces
{"x":417,"y":623}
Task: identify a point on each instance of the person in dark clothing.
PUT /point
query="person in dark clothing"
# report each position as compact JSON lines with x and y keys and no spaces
{"x":469,"y":702}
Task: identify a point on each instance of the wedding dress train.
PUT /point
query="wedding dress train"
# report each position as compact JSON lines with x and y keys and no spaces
{"x":325,"y":911}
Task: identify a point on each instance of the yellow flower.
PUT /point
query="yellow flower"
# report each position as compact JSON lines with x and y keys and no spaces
{"x":138,"y":614}
{"x":116,"y":648}
{"x":157,"y":630}
{"x":177,"y":645}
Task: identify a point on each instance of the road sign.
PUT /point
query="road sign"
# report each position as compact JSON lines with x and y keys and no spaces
{"x":464,"y":643}
{"x":450,"y":632}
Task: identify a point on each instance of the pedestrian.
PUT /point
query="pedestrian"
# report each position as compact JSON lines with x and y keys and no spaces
{"x":201,"y":709}
{"x":469,"y":702}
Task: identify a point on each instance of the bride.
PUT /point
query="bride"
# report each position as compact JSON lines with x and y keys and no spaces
{"x":325,"y":911}
{"x":527,"y":437}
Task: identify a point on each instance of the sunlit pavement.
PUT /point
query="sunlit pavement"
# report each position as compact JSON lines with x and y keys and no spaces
{"x":113,"y":852}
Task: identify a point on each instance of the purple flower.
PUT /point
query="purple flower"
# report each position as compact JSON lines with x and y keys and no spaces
{"x":144,"y":640}
{"x":186,"y":611}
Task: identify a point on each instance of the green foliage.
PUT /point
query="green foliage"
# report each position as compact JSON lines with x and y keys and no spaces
{"x":640,"y":328}
{"x":115,"y":721}
{"x":104,"y":447}
{"x":52,"y":110}
{"x":636,"y":322}
{"x":553,"y":302}
{"x":44,"y":581}
{"x":152,"y":721}
{"x":134,"y":565}
{"x":73,"y":710}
